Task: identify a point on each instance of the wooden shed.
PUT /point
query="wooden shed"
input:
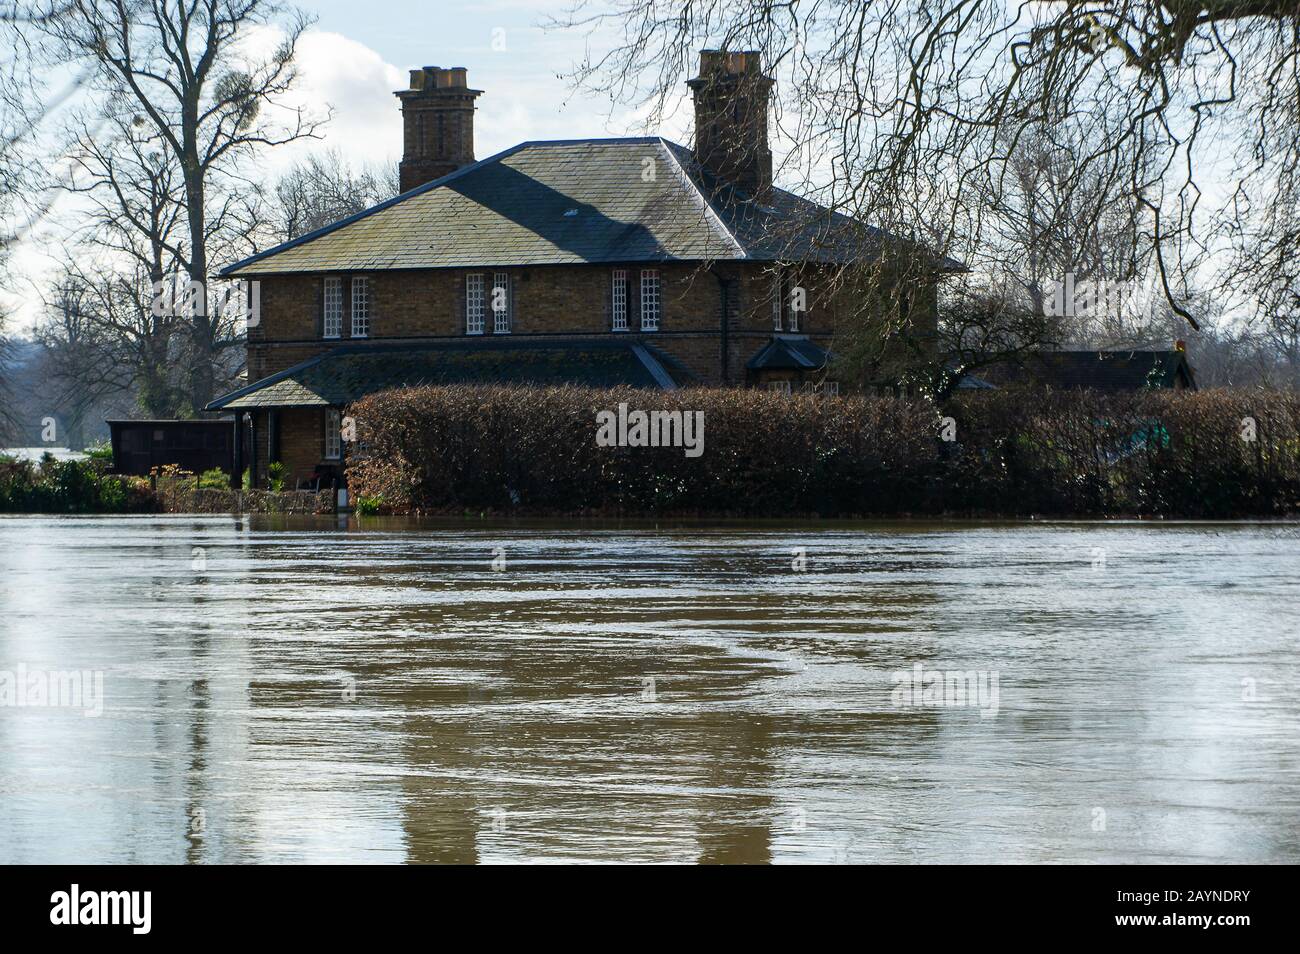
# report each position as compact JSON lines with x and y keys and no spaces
{"x":139,"y":446}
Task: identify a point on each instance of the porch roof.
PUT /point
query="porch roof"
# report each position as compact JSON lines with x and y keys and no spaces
{"x":344,"y":375}
{"x":789,"y":352}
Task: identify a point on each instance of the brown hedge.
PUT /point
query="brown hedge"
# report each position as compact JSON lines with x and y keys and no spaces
{"x":451,"y":449}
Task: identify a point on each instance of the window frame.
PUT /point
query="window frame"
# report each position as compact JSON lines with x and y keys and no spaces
{"x":618,"y":300}
{"x":792,"y":312}
{"x":778,"y":302}
{"x":502,"y":321}
{"x":475,"y":305}
{"x":333,"y":434}
{"x":332,"y":283}
{"x":651,"y":299}
{"x":361,"y":282}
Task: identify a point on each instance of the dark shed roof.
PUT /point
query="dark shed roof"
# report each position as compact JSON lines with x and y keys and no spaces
{"x":1099,"y":370}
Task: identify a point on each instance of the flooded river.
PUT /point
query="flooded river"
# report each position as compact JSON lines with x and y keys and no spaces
{"x":217,"y":689}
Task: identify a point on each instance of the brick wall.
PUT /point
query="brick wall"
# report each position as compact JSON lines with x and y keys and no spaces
{"x":548,"y":300}
{"x":302,"y":442}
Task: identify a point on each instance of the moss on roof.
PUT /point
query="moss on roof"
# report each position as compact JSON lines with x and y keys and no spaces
{"x":573,"y":202}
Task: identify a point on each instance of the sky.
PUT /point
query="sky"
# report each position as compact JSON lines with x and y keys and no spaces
{"x":358,"y":53}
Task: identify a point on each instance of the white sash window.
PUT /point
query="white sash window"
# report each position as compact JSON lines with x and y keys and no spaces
{"x":649,"y":299}
{"x":360,"y":307}
{"x":618,"y":301}
{"x":474,"y":304}
{"x":332,"y":319}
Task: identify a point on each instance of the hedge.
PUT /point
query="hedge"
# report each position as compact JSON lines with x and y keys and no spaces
{"x":534,"y":450}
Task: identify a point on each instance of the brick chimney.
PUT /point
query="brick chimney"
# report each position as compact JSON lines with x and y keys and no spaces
{"x":731,"y":98}
{"x":438,"y":121}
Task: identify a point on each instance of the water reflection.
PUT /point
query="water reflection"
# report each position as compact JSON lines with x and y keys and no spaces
{"x":285,"y":689}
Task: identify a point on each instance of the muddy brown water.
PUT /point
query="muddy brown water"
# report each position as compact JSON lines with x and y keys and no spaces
{"x":328,"y":690}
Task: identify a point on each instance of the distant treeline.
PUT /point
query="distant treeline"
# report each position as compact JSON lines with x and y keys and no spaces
{"x":1217,"y":453}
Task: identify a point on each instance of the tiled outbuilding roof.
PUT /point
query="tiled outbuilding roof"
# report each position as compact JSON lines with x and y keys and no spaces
{"x":345,"y":374}
{"x":1099,"y":370}
{"x":572,"y":202}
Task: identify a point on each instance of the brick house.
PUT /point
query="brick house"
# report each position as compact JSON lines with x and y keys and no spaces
{"x":599,"y":261}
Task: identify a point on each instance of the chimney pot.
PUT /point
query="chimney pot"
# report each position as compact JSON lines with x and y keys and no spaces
{"x":731,"y":103}
{"x":438,"y":124}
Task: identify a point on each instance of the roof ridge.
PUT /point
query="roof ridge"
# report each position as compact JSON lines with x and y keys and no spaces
{"x":704,"y":200}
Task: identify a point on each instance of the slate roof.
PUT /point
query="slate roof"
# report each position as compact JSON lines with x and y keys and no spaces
{"x":345,"y":374}
{"x":1099,"y":370}
{"x":786,"y":352}
{"x":572,"y":202}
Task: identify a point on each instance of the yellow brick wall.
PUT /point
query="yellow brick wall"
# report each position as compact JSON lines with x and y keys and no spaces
{"x":549,"y":300}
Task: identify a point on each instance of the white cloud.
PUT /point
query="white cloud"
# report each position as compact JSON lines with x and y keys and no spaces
{"x":358,"y":84}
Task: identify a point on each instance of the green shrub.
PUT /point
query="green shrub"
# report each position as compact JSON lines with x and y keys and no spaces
{"x":214,"y":479}
{"x":369,"y":506}
{"x":70,"y":486}
{"x":275,"y":476}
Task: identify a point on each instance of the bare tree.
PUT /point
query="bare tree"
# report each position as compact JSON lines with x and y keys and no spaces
{"x":80,"y":359}
{"x":935,"y":121}
{"x":121,"y":342}
{"x":192,"y":77}
{"x":324,"y":188}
